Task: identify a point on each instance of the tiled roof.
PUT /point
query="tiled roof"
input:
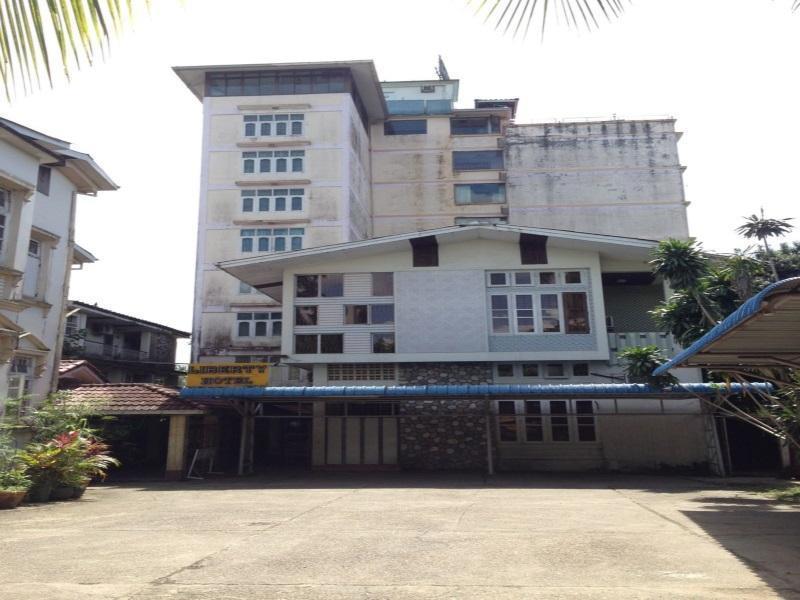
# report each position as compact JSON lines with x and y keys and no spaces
{"x":113,"y":313}
{"x":67,"y":365}
{"x":131,"y":398}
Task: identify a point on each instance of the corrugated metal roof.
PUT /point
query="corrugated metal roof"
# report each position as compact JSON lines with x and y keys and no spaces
{"x":417,"y":391}
{"x":745,"y":312}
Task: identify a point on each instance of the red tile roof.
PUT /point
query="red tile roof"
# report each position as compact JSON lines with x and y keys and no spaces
{"x":131,"y":399}
{"x":68,"y":365}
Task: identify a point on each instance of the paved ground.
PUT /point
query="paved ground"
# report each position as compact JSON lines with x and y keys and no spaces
{"x":405,"y":537}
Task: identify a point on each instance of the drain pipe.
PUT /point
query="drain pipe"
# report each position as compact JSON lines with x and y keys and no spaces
{"x":489,"y":456}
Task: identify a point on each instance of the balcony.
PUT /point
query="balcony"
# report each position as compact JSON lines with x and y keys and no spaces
{"x":619,"y":341}
{"x":111,"y":352}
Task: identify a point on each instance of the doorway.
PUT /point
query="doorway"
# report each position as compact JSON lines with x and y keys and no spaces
{"x":282,"y":437}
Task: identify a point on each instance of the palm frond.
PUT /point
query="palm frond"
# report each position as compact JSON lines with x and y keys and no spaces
{"x":518,"y":15}
{"x":31,"y":29}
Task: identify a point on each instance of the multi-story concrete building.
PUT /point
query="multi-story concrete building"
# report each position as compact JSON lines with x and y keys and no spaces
{"x":297,"y":156}
{"x":40,"y":179}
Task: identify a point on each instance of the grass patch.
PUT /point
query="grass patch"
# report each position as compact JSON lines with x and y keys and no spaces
{"x":786,"y":494}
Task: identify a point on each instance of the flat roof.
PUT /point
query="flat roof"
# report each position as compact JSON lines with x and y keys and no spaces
{"x":364,"y":75}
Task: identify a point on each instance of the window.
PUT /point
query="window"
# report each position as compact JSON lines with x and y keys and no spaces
{"x":43,"y":181}
{"x":330,"y":285}
{"x":463,"y":221}
{"x":505,"y":370}
{"x":271,"y":83}
{"x":361,"y":372}
{"x":72,"y":327}
{"x":534,"y":428}
{"x":424,"y":251}
{"x":20,"y":381}
{"x":559,"y":422}
{"x":273,"y":161}
{"x":245,"y":288}
{"x":585,"y":421}
{"x":406,"y":127}
{"x":33,"y":267}
{"x":576,"y":312}
{"x":572,"y":277}
{"x":383,"y":284}
{"x":474,"y":125}
{"x":272,"y":240}
{"x":477,"y":160}
{"x":555,"y":370}
{"x":551,"y":320}
{"x":273,"y":125}
{"x":272,"y":200}
{"x":5,"y":202}
{"x":382,"y":343}
{"x":500,"y":320}
{"x":305,"y":344}
{"x":381,"y":314}
{"x":547,"y":278}
{"x":524,"y":306}
{"x":331,"y":343}
{"x":507,"y":421}
{"x":498,"y":279}
{"x":258,"y":324}
{"x":356,"y":314}
{"x":305,"y":315}
{"x":580,"y":369}
{"x":530,"y":370}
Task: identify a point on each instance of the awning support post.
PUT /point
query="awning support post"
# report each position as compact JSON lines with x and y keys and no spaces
{"x":489,"y":443}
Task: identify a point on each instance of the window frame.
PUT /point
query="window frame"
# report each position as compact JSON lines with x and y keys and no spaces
{"x":542,"y":414}
{"x":473,"y":164}
{"x":389,"y":127}
{"x":275,"y":317}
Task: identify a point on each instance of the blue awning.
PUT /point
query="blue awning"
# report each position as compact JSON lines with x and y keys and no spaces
{"x":614,"y":390}
{"x":776,"y":333}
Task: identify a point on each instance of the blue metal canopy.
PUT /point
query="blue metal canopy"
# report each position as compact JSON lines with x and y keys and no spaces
{"x":440,"y":391}
{"x":774,"y":337}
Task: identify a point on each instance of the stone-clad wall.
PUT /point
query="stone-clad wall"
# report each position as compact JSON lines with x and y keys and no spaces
{"x":443,"y":433}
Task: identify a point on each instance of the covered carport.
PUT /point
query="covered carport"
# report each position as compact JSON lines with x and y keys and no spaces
{"x":760,"y":340}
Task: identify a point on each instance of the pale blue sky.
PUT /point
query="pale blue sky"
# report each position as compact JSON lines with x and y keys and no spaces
{"x":726,"y":69}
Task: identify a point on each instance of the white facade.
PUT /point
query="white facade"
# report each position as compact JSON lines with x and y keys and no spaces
{"x":40,"y":178}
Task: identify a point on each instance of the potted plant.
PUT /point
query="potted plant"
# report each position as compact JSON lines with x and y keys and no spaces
{"x":14,"y":484}
{"x":42,"y":465}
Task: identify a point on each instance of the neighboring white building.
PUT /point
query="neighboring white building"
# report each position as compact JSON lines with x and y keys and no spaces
{"x":304,"y":155}
{"x":40,"y":178}
{"x":483,"y":305}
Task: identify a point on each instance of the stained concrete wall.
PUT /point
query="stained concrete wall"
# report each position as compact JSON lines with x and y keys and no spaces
{"x":611,"y":177}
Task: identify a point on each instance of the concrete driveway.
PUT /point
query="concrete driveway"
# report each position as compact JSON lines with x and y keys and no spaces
{"x":401,"y":536}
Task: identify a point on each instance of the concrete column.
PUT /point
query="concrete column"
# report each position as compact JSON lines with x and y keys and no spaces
{"x":176,"y":447}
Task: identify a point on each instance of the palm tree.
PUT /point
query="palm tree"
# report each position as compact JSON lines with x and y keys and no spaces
{"x":519,"y":14}
{"x":762,"y":228}
{"x":683,"y":265}
{"x":33,"y":31}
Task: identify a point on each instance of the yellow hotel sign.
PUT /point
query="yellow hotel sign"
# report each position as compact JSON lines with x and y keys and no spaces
{"x":227,"y":374}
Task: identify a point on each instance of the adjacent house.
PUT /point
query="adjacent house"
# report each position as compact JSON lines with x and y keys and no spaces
{"x":40,"y":179}
{"x":123,"y":348}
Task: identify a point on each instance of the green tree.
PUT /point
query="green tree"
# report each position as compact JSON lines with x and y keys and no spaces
{"x":639,"y":363}
{"x":32,"y":32}
{"x":761,"y":228}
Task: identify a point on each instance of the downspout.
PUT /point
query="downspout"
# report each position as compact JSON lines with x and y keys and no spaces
{"x":489,"y":441}
{"x":62,"y":318}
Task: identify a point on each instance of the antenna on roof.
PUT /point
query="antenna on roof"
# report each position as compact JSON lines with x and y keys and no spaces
{"x":441,"y":70}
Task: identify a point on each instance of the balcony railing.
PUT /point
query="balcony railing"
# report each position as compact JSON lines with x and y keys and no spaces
{"x":617,"y":342}
{"x":111,"y":351}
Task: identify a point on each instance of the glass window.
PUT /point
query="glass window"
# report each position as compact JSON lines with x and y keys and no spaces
{"x":383,"y":284}
{"x":524,"y":305}
{"x":280,"y":204}
{"x":476,"y":160}
{"x":305,"y":315}
{"x":297,"y":203}
{"x":507,"y":421}
{"x":585,"y":419}
{"x":245,"y":288}
{"x":534,"y":431}
{"x":480,"y":193}
{"x":247,"y":244}
{"x":332,"y":285}
{"x":305,"y":344}
{"x":559,"y":424}
{"x":356,"y":314}
{"x":576,"y":312}
{"x":481,"y":221}
{"x":522,"y":278}
{"x":572,"y":277}
{"x":498,"y":279}
{"x":381,"y":314}
{"x":547,"y":278}
{"x":243,"y":329}
{"x":500,"y":321}
{"x":331,"y":343}
{"x":555,"y":370}
{"x":505,"y":370}
{"x":382,"y":343}
{"x":530,"y":370}
{"x":405,"y":127}
{"x":580,"y":369}
{"x":249,"y":162}
{"x":307,"y":286}
{"x":474,"y":125}
{"x":551,"y":321}
{"x":247,"y":204}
